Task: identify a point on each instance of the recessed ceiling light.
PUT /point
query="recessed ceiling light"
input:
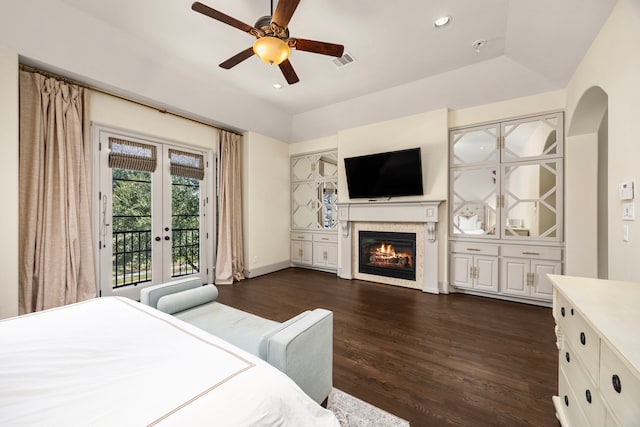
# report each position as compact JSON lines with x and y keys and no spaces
{"x":277,"y":86}
{"x":442,"y":21}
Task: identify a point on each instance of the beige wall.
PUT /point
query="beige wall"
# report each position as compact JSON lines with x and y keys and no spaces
{"x":525,"y":106}
{"x":266,"y":189}
{"x":612,"y":64}
{"x":116,"y":112}
{"x":320,"y":144}
{"x":9,"y":178}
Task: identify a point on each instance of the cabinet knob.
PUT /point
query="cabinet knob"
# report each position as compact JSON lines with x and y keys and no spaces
{"x":572,"y":311}
{"x":588,"y":395}
{"x":617,"y":385}
{"x":568,"y":357}
{"x":583,"y":338}
{"x":566,"y":400}
{"x":562,"y":311}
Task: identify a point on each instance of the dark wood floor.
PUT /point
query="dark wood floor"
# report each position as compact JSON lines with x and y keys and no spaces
{"x":431,"y":359}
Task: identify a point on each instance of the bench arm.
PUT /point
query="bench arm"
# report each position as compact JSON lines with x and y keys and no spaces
{"x":304,"y":351}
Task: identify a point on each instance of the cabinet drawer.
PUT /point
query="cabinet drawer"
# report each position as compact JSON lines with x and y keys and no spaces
{"x":586,"y":394}
{"x":302,"y":236}
{"x":568,"y":402}
{"x":325,"y":238}
{"x":474,"y":248}
{"x":580,"y":336}
{"x":532,"y":252}
{"x":620,"y":388}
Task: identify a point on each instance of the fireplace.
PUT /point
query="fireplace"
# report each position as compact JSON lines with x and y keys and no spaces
{"x":416,"y":217}
{"x":388,"y":254}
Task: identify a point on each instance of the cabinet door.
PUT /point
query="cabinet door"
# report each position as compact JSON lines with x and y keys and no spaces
{"x":301,"y":252}
{"x":542,"y":287}
{"x":531,"y":200}
{"x":474,"y":212}
{"x":474,"y":145}
{"x":325,"y":255}
{"x":532,"y":138}
{"x":461,"y":270}
{"x":514,"y":276}
{"x":486,"y":273}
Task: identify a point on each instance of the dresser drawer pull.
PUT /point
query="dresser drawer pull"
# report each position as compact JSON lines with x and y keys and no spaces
{"x":583,"y":338}
{"x":617,"y":385}
{"x":474,"y":249}
{"x":562,"y":311}
{"x":530,"y":253}
{"x":588,"y":395}
{"x":324,"y":238}
{"x":568,"y":357}
{"x":566,"y":400}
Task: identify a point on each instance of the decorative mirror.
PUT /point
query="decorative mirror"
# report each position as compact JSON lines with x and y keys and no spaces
{"x":479,"y":145}
{"x":531,"y":138}
{"x":303,"y":206}
{"x":302,"y":168}
{"x":530,"y":200}
{"x":474,"y":202}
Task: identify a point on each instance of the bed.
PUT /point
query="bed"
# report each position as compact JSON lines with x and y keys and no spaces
{"x":115,"y":362}
{"x":470,"y":219}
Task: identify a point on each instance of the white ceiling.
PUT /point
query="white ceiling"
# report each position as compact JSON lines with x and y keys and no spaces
{"x":162,"y":52}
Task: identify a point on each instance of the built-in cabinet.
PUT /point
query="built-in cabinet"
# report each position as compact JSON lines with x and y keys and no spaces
{"x":314,"y":215}
{"x":505,"y":207}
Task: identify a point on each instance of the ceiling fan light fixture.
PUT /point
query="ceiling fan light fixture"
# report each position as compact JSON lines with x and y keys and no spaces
{"x":271,"y":50}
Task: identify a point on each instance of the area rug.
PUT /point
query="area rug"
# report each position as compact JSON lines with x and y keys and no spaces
{"x":353,"y":412}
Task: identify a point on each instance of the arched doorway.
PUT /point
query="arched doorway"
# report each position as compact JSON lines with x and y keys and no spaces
{"x":586,"y":183}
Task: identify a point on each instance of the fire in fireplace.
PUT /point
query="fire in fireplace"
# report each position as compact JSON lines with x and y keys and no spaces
{"x":387,"y":254}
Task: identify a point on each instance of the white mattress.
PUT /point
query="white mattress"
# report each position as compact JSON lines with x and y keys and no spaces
{"x":115,"y":362}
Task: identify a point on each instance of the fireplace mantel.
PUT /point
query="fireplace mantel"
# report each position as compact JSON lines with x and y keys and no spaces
{"x":423,"y":212}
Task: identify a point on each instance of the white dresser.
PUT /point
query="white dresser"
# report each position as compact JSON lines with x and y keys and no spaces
{"x":598,"y":332}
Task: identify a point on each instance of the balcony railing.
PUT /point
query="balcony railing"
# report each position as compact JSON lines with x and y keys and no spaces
{"x":132,"y":255}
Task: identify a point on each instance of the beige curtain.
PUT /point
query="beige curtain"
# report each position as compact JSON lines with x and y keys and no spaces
{"x":56,"y":249}
{"x":230,"y":254}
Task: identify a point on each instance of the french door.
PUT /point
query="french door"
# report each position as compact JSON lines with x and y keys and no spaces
{"x":154,"y":214}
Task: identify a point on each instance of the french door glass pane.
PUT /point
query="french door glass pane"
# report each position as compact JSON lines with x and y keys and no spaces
{"x":185,"y":223}
{"x":131,"y":239}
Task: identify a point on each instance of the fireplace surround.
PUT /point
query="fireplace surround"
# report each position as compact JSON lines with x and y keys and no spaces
{"x":405,"y":217}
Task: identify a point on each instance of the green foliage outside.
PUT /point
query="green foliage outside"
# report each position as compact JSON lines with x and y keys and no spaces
{"x":132,"y":237}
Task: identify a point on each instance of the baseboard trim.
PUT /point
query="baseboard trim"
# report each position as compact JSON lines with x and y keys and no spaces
{"x":266,"y":269}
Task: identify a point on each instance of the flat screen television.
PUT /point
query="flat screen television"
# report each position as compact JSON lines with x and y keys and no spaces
{"x":391,"y":174}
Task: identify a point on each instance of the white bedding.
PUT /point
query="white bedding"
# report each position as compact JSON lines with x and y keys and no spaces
{"x":115,"y":362}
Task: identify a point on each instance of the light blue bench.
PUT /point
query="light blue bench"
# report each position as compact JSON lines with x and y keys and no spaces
{"x":301,"y":347}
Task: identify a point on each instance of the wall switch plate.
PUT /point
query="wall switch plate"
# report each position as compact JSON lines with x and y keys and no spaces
{"x":626,"y":190}
{"x":629,"y":211}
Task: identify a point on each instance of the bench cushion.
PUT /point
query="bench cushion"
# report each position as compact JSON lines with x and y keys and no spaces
{"x":185,"y":300}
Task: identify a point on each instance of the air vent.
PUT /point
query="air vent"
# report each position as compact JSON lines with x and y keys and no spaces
{"x":344,"y":60}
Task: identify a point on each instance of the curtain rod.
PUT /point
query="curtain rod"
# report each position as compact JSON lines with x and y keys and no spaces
{"x":115,"y":95}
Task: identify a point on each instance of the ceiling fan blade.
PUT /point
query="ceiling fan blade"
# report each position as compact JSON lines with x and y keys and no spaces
{"x":219,"y":16}
{"x":288,"y":72}
{"x":284,"y":12}
{"x":322,"y":48}
{"x":236,"y":59}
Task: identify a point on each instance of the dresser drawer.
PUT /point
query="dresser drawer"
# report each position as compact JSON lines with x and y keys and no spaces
{"x":580,"y":336}
{"x":474,"y":248}
{"x":586,"y":394}
{"x":620,"y":388}
{"x":570,"y":407}
{"x":532,"y":252}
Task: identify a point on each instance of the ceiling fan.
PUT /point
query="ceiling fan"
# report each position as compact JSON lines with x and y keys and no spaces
{"x":272,"y":43}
